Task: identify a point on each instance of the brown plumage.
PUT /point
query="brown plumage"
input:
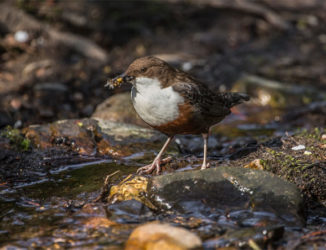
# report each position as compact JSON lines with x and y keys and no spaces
{"x":173,"y":102}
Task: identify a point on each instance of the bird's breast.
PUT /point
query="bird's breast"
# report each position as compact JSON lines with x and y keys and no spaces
{"x":155,"y":105}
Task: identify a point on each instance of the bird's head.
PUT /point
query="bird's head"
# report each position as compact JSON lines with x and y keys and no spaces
{"x":144,"y":67}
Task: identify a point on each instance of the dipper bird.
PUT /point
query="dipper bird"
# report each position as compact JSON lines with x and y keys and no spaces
{"x":173,"y":102}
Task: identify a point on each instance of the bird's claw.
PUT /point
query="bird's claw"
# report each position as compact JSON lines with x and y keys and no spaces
{"x":204,"y":166}
{"x":148,"y":169}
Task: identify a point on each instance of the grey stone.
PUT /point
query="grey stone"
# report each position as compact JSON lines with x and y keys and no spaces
{"x":231,"y":189}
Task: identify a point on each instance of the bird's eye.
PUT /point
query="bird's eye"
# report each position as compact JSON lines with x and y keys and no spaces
{"x":143,"y":70}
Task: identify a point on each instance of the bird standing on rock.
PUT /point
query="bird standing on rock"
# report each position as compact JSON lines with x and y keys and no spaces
{"x":173,"y":102}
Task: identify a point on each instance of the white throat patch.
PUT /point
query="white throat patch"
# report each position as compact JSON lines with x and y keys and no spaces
{"x":155,"y":105}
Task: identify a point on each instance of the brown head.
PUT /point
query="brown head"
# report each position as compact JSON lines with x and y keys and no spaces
{"x":150,"y":67}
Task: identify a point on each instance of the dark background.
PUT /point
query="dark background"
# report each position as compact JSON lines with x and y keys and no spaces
{"x":71,"y":47}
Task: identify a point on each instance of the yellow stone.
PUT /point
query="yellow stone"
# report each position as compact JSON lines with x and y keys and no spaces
{"x":96,"y":222}
{"x":255,"y":164}
{"x":132,"y":187}
{"x":157,"y":236}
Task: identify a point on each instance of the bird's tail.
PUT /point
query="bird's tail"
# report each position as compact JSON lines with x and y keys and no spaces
{"x":235,"y":98}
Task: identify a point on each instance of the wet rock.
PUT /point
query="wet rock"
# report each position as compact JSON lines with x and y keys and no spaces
{"x":72,"y":134}
{"x":119,"y":108}
{"x":218,"y":147}
{"x":162,"y":236}
{"x":90,"y":137}
{"x":130,"y":207}
{"x":253,"y":237}
{"x":129,"y":211}
{"x":122,"y":131}
{"x":96,"y":222}
{"x":131,"y":188}
{"x":228,"y":188}
{"x":193,"y":144}
{"x":93,"y":209}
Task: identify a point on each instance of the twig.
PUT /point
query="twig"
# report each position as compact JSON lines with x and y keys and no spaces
{"x":105,"y":189}
{"x":317,"y":235}
{"x":313,"y":234}
{"x":253,"y":245}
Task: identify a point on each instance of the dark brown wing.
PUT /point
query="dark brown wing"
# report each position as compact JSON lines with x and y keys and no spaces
{"x":204,"y":100}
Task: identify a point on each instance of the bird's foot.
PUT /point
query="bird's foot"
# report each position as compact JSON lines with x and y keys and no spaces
{"x":155,"y":165}
{"x":204,"y":166}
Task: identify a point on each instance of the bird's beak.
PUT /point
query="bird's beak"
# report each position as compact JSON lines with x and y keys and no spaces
{"x":116,"y":82}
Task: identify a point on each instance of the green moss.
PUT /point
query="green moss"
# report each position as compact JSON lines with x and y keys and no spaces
{"x":16,"y":139}
{"x":287,"y":165}
{"x":265,"y":164}
{"x":314,"y":134}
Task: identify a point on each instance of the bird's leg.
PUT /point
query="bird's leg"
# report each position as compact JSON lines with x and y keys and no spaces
{"x":205,"y":164}
{"x":157,"y":161}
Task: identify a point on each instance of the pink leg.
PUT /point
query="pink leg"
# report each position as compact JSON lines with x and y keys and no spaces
{"x":156,"y":164}
{"x":205,"y":164}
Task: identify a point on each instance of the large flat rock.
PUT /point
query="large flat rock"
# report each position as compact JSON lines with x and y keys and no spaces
{"x":229,"y":188}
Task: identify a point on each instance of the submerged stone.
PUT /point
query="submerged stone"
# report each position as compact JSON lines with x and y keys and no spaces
{"x":249,"y":237}
{"x":129,"y":211}
{"x":231,"y":189}
{"x":228,"y":195}
{"x":96,"y":222}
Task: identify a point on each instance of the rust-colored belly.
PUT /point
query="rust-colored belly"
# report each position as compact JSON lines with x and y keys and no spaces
{"x":188,"y":122}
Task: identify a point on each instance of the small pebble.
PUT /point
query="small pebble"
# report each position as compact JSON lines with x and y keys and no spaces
{"x":187,"y":66}
{"x":162,"y":236}
{"x":21,"y":36}
{"x":18,"y":124}
{"x":299,"y":147}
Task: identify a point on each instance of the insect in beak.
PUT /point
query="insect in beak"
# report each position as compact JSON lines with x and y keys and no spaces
{"x":118,"y":81}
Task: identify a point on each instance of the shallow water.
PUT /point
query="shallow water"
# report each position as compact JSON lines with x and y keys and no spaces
{"x":32,"y":213}
{"x":51,"y":212}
